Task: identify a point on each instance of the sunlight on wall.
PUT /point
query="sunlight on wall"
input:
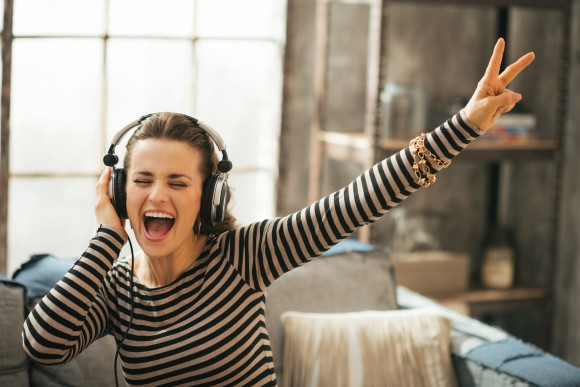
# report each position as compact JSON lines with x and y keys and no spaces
{"x":83,"y":70}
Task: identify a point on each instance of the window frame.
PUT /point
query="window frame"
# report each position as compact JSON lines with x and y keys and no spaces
{"x":8,"y":39}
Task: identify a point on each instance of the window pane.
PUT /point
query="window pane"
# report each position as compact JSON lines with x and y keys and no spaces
{"x":147,"y":76}
{"x":234,"y":18}
{"x":239,"y":94}
{"x":56,"y":105}
{"x":253,"y":196}
{"x":49,"y":216}
{"x":59,"y":17}
{"x":151,"y":17}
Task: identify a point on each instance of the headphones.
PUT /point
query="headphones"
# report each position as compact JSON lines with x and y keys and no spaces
{"x":215,"y":193}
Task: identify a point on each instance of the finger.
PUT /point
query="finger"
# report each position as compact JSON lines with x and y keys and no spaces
{"x":103,"y":183}
{"x":502,"y":101}
{"x":515,"y":68}
{"x":508,"y":109}
{"x":494,"y":65}
{"x":105,"y":173}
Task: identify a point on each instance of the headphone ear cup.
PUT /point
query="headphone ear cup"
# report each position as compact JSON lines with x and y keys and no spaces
{"x":214,"y":200}
{"x":219,"y":211}
{"x":117,"y":188}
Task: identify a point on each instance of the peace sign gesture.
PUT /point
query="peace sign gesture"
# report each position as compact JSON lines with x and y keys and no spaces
{"x":491,"y":98}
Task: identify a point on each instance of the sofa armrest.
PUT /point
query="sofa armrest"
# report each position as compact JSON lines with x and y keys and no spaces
{"x":13,"y":360}
{"x":487,"y":356}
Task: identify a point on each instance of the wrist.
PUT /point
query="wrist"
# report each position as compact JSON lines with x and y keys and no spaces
{"x":465,"y":116}
{"x":117,"y":230}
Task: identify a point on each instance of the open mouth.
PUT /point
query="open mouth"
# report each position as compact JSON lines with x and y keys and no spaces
{"x":158,"y":224}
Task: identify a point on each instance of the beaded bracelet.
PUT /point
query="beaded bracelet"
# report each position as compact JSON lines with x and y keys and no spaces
{"x":420,"y":166}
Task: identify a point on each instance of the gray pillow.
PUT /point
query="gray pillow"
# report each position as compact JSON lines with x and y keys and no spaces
{"x":347,"y":282}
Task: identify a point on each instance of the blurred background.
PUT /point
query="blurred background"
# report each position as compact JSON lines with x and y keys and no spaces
{"x":307,"y":95}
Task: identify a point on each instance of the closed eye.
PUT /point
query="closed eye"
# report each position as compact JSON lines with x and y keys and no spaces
{"x":141,"y":181}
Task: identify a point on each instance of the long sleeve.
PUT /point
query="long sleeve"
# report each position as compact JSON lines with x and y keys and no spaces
{"x":263,"y":251}
{"x":74,"y":313}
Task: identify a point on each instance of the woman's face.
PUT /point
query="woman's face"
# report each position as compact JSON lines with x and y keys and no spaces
{"x":164,"y":189}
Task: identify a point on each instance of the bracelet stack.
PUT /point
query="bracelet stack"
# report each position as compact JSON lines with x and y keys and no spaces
{"x":420,"y":166}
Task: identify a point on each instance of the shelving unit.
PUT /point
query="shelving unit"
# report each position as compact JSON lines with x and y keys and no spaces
{"x":367,"y":147}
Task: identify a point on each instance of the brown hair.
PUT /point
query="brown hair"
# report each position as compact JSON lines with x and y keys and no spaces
{"x":175,"y":126}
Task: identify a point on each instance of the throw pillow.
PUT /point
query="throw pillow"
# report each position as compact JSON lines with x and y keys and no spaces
{"x":41,"y":273}
{"x":372,"y":348}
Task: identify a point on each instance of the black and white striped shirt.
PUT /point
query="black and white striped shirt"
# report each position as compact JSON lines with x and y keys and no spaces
{"x":208,"y":326}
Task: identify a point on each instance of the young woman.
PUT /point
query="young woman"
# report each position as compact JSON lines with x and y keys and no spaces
{"x":199,"y":289}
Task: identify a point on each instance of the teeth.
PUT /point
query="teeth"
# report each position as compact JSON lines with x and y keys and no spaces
{"x":158,"y":215}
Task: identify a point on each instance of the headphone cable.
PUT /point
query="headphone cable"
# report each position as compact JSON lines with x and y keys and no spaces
{"x":130,"y":315}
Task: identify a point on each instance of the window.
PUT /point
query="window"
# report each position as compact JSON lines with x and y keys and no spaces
{"x":83,"y":70}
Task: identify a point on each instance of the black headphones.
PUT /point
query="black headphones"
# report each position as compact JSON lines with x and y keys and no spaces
{"x":215,"y":194}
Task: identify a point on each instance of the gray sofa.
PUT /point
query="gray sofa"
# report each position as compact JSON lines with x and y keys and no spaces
{"x":348,"y":280}
{"x":92,"y":368}
{"x":345,"y":280}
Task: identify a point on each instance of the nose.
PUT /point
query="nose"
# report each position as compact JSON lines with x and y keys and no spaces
{"x":159,"y":193}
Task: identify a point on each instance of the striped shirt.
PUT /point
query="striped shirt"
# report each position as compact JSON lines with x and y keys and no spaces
{"x":208,"y":326}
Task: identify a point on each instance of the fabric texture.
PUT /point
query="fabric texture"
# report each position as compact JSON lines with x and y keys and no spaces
{"x":371,"y":348}
{"x":41,"y":273}
{"x":208,"y":326}
{"x":92,"y":368}
{"x":350,"y":245}
{"x":339,"y":283}
{"x":527,"y":363}
{"x":496,"y":354}
{"x":13,"y":360}
{"x":472,"y":374}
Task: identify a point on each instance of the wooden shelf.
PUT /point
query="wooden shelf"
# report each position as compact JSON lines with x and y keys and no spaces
{"x":491,"y":150}
{"x":496,"y":3}
{"x":476,"y":302}
{"x":358,"y":147}
{"x":366,"y":146}
{"x":346,"y":146}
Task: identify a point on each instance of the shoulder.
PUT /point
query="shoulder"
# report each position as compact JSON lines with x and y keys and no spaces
{"x":121,"y":270}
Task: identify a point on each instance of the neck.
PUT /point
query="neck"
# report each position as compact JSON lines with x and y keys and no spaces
{"x":155,"y":272}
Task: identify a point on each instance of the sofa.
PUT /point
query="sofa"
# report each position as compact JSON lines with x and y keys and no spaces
{"x":351,"y":286}
{"x":92,"y":368}
{"x":354,"y":278}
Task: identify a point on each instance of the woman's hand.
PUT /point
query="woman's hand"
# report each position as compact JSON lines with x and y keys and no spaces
{"x":491,"y":98}
{"x":104,"y":209}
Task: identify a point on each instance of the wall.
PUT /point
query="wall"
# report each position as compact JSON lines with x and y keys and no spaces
{"x":567,"y":291}
{"x":422,"y":44}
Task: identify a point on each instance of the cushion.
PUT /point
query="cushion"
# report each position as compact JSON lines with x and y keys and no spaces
{"x":370,"y":348}
{"x":514,"y":357}
{"x":349,"y":245}
{"x":13,"y":360}
{"x":94,"y":367}
{"x":353,"y":281}
{"x":41,"y":273}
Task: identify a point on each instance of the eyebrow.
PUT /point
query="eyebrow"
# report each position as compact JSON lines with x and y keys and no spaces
{"x":172,"y":176}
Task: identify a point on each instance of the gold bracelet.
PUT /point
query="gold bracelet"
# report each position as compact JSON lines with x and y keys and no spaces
{"x":420,"y":166}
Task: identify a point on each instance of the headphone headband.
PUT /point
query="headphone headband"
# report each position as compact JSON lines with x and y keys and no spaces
{"x":224,"y":166}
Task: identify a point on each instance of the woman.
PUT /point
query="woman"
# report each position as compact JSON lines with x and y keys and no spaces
{"x":199,"y":292}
